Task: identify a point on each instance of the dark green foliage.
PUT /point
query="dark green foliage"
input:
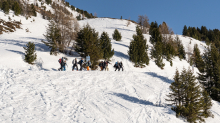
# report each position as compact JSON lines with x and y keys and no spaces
{"x":121,"y":17}
{"x":210,"y":77}
{"x":106,"y":46}
{"x":30,"y":55}
{"x":185,"y":30}
{"x":88,"y":43}
{"x":203,"y":34}
{"x":168,"y":51}
{"x":177,"y":94}
{"x":116,"y":35}
{"x":53,"y":39}
{"x":16,"y":8}
{"x":206,"y":105}
{"x":188,"y":99}
{"x":73,"y":7}
{"x":33,"y":10}
{"x":78,"y":17}
{"x":157,"y":49}
{"x":138,"y":49}
{"x":153,"y":26}
{"x":197,"y":58}
{"x":48,"y":2}
{"x":5,"y":7}
{"x":180,"y":48}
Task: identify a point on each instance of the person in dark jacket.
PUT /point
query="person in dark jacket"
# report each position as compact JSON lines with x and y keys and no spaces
{"x":101,"y":65}
{"x":74,"y":62}
{"x":120,"y":66}
{"x":81,"y":63}
{"x":117,"y":66}
{"x":106,"y":65}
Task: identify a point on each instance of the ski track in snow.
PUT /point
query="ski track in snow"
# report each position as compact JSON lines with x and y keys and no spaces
{"x":79,"y":97}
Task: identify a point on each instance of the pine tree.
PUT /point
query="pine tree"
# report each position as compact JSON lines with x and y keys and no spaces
{"x":210,"y":77}
{"x":30,"y":55}
{"x":5,"y":7}
{"x":53,"y":38}
{"x":157,"y":49}
{"x":116,"y":35}
{"x":88,"y":43}
{"x":138,"y":49}
{"x":188,"y":99}
{"x":198,"y":59}
{"x":180,"y":47}
{"x":185,"y":30}
{"x":192,"y":97}
{"x":153,"y":26}
{"x":206,"y":104}
{"x":176,"y":95}
{"x":16,"y":8}
{"x":106,"y":46}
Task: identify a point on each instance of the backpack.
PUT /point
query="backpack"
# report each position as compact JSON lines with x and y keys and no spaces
{"x":60,"y":60}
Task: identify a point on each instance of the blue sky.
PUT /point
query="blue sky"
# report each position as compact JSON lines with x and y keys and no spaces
{"x":176,"y":13}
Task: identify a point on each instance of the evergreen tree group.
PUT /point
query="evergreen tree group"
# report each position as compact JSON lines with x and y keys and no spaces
{"x":30,"y":55}
{"x":5,"y":7}
{"x":116,"y":35}
{"x":188,"y":99}
{"x":210,"y":76}
{"x":138,"y":49}
{"x":106,"y":46}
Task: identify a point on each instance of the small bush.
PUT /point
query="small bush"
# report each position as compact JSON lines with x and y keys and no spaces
{"x":117,"y":36}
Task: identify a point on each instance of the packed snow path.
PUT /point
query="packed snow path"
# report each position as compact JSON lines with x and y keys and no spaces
{"x":117,"y":97}
{"x":91,"y":97}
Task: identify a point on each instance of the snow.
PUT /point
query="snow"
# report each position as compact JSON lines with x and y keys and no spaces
{"x":40,"y":93}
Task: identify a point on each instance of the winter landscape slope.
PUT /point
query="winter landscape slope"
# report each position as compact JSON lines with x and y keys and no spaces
{"x":40,"y":93}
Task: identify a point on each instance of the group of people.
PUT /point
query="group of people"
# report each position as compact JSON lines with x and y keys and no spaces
{"x":118,"y":66}
{"x":63,"y":64}
{"x":103,"y":64}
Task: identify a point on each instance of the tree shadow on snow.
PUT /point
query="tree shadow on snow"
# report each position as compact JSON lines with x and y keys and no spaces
{"x":120,"y":29}
{"x":134,"y":99}
{"x":120,"y":54}
{"x":165,"y":79}
{"x":18,"y":52}
{"x":121,"y":44}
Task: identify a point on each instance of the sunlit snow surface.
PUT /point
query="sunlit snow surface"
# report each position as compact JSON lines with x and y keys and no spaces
{"x":40,"y":93}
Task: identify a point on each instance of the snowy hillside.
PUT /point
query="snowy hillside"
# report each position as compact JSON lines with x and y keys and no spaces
{"x":40,"y":93}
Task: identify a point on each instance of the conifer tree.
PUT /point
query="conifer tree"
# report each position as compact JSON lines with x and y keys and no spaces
{"x":33,"y":10}
{"x":153,"y":26}
{"x":176,"y":95}
{"x":106,"y":46}
{"x":16,"y":8}
{"x":198,"y":59}
{"x":88,"y":43}
{"x":53,"y":38}
{"x":157,"y":49}
{"x":206,"y":104}
{"x":138,"y":49}
{"x":185,"y":30}
{"x":181,"y":50}
{"x":116,"y":35}
{"x":210,"y":77}
{"x":30,"y":55}
{"x":5,"y":7}
{"x":188,"y":99}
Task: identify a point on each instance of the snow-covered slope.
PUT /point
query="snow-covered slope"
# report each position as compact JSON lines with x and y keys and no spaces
{"x":42,"y":94}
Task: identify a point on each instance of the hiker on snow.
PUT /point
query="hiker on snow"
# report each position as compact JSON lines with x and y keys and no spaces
{"x":74,"y":62}
{"x":120,"y":66}
{"x":106,"y":65}
{"x":101,"y":65}
{"x":60,"y":61}
{"x":81,"y":63}
{"x":117,"y":66}
{"x":64,"y":65}
{"x":88,"y":64}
